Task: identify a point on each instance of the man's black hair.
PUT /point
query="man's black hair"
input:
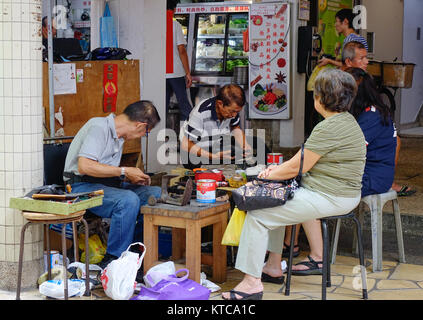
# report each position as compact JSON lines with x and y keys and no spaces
{"x":143,"y":111}
{"x":231,"y":93}
{"x":171,"y":4}
{"x":44,"y":21}
{"x":346,"y":14}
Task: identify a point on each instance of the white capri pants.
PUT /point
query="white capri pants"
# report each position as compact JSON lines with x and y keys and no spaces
{"x":264,"y":229}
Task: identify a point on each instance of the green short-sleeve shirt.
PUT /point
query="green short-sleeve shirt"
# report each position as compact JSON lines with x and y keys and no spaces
{"x":340,"y":143}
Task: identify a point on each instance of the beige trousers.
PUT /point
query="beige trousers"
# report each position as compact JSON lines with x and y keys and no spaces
{"x":265,"y":229}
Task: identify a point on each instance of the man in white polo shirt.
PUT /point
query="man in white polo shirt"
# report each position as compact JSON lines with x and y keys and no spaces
{"x":206,"y":134}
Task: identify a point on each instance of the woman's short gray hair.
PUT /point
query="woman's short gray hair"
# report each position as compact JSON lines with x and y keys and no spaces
{"x":336,"y":89}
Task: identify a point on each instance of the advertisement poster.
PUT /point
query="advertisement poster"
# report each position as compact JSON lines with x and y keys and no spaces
{"x":332,"y":42}
{"x":269,"y":27}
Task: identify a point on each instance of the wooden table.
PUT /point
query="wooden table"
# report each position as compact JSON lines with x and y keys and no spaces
{"x":191,"y":218}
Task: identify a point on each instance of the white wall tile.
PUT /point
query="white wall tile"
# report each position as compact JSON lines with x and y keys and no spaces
{"x":17,"y":50}
{"x":8,"y":124}
{"x":16,"y":69}
{"x":26,"y":156}
{"x":8,"y":143}
{"x":17,"y":179}
{"x":26,"y":49}
{"x":16,"y":11}
{"x":2,"y":130}
{"x":7,"y":11}
{"x":17,"y":101}
{"x":17,"y":162}
{"x":8,"y":103}
{"x":17,"y":89}
{"x":26,"y":70}
{"x":7,"y":50}
{"x":16,"y":31}
{"x":7,"y":74}
{"x":7,"y":31}
{"x":2,"y":164}
{"x":17,"y":140}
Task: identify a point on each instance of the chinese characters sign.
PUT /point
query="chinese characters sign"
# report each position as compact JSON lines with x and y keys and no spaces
{"x":269,"y":61}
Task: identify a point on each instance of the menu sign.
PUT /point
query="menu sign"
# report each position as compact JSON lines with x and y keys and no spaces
{"x":269,"y":61}
{"x":211,"y":9}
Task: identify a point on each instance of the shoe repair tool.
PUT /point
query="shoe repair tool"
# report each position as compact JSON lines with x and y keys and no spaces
{"x":167,"y":198}
{"x":67,"y":196}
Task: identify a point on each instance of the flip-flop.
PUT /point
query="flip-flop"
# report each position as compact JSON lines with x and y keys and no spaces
{"x":266,"y":278}
{"x":403,"y":192}
{"x":313,"y":268}
{"x":244,"y":296}
{"x":285,"y":252}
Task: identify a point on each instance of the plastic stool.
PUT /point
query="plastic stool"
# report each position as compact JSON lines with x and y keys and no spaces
{"x":376,"y":203}
{"x":326,"y":282}
{"x":46,"y":219}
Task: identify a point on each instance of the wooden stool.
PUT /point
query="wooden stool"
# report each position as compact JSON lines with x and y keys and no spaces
{"x":46,"y":219}
{"x":191,"y":218}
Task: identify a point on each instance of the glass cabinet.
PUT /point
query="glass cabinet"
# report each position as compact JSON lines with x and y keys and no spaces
{"x":218,"y":43}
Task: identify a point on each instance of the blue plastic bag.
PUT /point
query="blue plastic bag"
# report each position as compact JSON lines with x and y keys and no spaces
{"x":108,"y":36}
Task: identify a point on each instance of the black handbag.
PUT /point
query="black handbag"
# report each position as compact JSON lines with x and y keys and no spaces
{"x":264,"y":193}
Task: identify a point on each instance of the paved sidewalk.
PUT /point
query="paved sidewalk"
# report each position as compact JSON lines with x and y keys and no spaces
{"x":396,"y":282}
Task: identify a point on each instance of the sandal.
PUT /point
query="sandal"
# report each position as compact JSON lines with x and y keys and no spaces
{"x":405,"y":191}
{"x":244,"y":296}
{"x":266,"y":278}
{"x":313,"y":268}
{"x":285,"y":252}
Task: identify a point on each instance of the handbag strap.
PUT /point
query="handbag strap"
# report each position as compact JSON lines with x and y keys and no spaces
{"x":300,"y":173}
{"x":175,"y":278}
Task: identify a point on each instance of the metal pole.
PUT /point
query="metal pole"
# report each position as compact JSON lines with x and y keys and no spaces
{"x":50,"y":69}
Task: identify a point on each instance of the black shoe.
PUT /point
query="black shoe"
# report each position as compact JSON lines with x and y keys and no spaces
{"x":266,"y":278}
{"x":106,"y":260}
{"x":285,"y":252}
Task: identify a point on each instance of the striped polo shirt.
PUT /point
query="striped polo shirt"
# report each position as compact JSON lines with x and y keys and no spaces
{"x":203,"y":126}
{"x":342,"y":147}
{"x":357,"y":38}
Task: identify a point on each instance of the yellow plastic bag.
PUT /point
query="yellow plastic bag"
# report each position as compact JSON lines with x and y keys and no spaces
{"x":316,"y":71}
{"x":233,"y":230}
{"x":96,"y":247}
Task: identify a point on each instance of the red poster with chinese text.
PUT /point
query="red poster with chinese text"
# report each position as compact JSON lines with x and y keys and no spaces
{"x":110,"y":87}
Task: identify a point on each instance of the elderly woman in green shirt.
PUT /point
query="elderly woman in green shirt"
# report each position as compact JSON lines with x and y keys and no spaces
{"x":334,"y":159}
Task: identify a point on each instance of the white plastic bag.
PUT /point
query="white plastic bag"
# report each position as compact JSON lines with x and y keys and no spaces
{"x":158,"y":272}
{"x":118,"y":278}
{"x":55,"y":288}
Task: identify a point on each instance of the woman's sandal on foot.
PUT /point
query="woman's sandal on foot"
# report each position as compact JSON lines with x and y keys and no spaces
{"x":244,"y":296}
{"x":266,"y":278}
{"x":313,"y":268}
{"x":285,"y":252}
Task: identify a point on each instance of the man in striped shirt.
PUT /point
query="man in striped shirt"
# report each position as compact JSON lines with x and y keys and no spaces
{"x":344,"y":25}
{"x":206,"y":134}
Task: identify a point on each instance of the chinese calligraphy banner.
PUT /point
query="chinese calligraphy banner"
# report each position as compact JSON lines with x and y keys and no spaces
{"x":269,"y":60}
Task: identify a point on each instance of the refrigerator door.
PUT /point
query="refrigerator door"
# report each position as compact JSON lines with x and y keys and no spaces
{"x":209,"y":44}
{"x":235,"y":54}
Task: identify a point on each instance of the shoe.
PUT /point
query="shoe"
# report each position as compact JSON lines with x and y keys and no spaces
{"x":266,"y":278}
{"x":244,"y":296}
{"x":285,"y":252}
{"x":405,"y":191}
{"x":313,"y":268}
{"x":106,"y":260}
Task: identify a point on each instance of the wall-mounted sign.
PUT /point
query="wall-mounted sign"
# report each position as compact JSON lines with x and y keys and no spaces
{"x":269,"y":27}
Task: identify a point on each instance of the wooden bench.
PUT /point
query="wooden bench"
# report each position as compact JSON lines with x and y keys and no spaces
{"x":191,"y":218}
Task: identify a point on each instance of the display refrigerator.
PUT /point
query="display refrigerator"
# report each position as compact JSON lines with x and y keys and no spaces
{"x":216,"y":39}
{"x":223,"y":35}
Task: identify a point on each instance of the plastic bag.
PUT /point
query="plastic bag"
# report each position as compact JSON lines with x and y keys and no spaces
{"x":118,"y":279}
{"x":97,"y":250}
{"x":55,"y":288}
{"x":314,"y":74}
{"x":108,"y":36}
{"x":159,"y":272}
{"x":233,"y":230}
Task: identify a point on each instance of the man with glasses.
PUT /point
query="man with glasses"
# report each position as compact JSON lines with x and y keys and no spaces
{"x":206,"y":136}
{"x":93,"y":163}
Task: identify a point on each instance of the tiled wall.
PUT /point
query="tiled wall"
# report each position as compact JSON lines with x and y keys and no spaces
{"x":21,"y":156}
